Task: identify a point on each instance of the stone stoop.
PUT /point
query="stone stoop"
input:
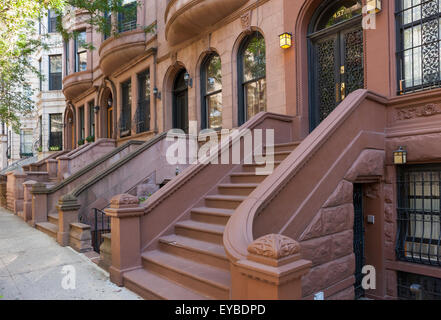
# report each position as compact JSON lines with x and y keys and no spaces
{"x":192,"y":263}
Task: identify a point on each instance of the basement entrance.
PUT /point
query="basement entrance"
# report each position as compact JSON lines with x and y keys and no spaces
{"x":359,"y":244}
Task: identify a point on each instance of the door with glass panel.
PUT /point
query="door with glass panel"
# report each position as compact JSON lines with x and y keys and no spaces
{"x":336,"y":63}
{"x":180,"y":102}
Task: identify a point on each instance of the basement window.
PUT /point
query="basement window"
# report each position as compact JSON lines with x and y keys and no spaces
{"x":419,"y":236}
{"x":430,"y":287}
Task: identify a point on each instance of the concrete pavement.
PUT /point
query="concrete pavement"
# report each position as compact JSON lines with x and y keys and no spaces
{"x":31,"y":266}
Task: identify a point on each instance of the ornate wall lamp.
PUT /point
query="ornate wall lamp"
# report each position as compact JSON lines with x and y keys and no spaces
{"x":109,"y":102}
{"x":156,"y":93}
{"x":188,"y":80}
{"x":400,"y":156}
{"x":373,"y":6}
{"x":97,"y":109}
{"x":285,"y":40}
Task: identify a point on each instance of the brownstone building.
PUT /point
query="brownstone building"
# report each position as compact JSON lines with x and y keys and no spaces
{"x":355,"y":86}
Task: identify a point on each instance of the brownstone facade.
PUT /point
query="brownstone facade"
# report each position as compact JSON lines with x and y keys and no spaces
{"x":182,"y":34}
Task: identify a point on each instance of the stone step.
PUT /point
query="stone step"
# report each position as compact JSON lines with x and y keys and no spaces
{"x":237,"y":189}
{"x":251,"y":167}
{"x":53,"y":218}
{"x":247,"y":177}
{"x":204,"y":279}
{"x":151,"y":286}
{"x":201,"y":251}
{"x":289,"y":146}
{"x":278,"y":156}
{"x":48,"y":228}
{"x":224,"y":201}
{"x":200,"y":231}
{"x":211,"y":215}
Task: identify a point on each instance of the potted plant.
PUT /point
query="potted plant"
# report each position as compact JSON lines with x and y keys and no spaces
{"x":90,"y":139}
{"x":80,"y":142}
{"x":55,"y":148}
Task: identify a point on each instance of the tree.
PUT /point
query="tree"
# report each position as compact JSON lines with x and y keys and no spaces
{"x":19,"y":40}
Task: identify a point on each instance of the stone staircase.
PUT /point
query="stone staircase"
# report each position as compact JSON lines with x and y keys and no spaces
{"x":191,"y":263}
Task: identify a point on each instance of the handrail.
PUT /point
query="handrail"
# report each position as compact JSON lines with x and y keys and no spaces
{"x":78,"y":190}
{"x":87,"y":168}
{"x":238,"y":233}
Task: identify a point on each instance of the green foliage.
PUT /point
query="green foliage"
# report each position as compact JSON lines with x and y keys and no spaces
{"x":54,"y":148}
{"x":90,"y":139}
{"x":19,"y":43}
{"x":81,"y":142}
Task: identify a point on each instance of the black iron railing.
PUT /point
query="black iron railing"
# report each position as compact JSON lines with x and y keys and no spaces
{"x":56,"y":140}
{"x":101,"y":226}
{"x":419,"y":212}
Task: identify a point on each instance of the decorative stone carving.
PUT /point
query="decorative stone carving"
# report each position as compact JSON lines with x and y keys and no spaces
{"x":274,"y":246}
{"x":341,"y":195}
{"x":245,"y":21}
{"x":413,"y":112}
{"x":124,"y":200}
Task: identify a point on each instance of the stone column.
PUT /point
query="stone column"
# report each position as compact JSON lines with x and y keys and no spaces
{"x":272,"y":271}
{"x":39,"y":203}
{"x":125,"y":216}
{"x":3,"y":151}
{"x":3,"y":201}
{"x":19,"y":178}
{"x":67,"y":213}
{"x":51,"y":167}
{"x":27,"y":205}
{"x":63,"y":167}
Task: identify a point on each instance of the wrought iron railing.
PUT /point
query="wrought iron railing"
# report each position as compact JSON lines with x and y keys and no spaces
{"x":419,"y":212}
{"x":127,"y":26}
{"x":101,"y":226}
{"x":56,"y":140}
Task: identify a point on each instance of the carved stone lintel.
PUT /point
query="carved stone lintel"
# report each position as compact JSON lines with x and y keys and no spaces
{"x":273,"y":247}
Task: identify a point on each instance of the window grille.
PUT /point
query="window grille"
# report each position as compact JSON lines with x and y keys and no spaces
{"x":419,"y":198}
{"x":419,"y":54}
{"x":430,"y":287}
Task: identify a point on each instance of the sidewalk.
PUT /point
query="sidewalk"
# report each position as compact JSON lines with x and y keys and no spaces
{"x":31,"y":265}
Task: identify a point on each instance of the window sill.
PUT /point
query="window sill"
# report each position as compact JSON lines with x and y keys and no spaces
{"x":431,"y":271}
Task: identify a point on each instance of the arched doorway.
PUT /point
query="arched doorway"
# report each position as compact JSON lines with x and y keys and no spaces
{"x":336,"y":66}
{"x":180,"y":101}
{"x":106,"y":114}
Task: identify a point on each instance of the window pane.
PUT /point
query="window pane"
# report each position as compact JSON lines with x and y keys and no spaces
{"x":255,"y":97}
{"x":254,"y":64}
{"x":214,"y":74}
{"x":341,"y":13}
{"x":214,"y":106}
{"x":82,"y":61}
{"x":55,"y":64}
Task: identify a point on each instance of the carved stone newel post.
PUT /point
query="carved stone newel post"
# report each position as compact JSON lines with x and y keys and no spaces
{"x":272,"y":270}
{"x":125,"y":222}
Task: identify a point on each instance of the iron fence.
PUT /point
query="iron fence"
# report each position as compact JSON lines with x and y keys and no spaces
{"x":101,"y":227}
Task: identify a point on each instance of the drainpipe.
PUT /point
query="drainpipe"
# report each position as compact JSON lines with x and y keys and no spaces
{"x":155,"y":104}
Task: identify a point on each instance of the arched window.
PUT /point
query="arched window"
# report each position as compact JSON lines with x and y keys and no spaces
{"x":211,"y":77}
{"x":252,"y":77}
